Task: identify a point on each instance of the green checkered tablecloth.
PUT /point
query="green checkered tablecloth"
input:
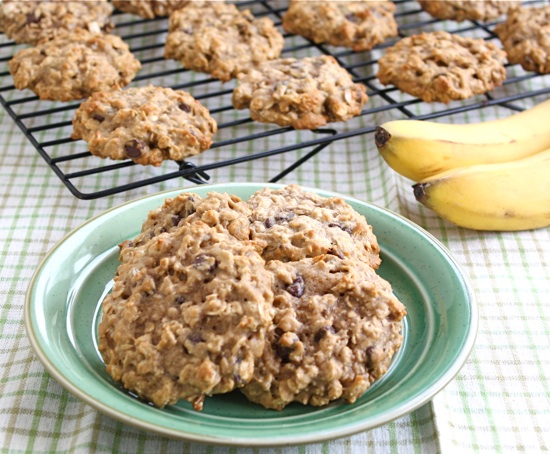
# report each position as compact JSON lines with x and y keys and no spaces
{"x":498,"y":402}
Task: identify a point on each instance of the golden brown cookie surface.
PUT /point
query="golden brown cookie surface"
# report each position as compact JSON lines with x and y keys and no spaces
{"x":145,"y":124}
{"x":460,"y":10}
{"x":187,"y":315}
{"x":304,"y":93}
{"x":74,"y":65}
{"x":31,"y":21}
{"x":525,"y":36}
{"x":443,"y":67}
{"x":336,"y":328}
{"x":359,"y":25}
{"x":219,"y":39}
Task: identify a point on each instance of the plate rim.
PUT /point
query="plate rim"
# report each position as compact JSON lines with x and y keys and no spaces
{"x":350,"y":429}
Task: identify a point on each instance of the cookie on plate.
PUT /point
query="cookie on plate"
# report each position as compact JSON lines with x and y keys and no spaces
{"x":32,"y":21}
{"x":525,"y":36}
{"x":359,"y":25}
{"x":147,"y":125}
{"x":218,"y":39}
{"x":461,"y":10}
{"x":303,"y":93}
{"x":226,"y":210}
{"x":335,"y":330}
{"x":290,"y":224}
{"x":149,"y":9}
{"x":187,"y":316}
{"x":443,"y":67}
{"x":74,"y":65}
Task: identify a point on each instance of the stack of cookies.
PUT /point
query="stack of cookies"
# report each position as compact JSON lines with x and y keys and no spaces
{"x":277,"y":297}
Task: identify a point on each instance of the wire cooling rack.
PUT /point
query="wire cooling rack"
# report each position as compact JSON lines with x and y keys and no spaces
{"x":48,"y":125}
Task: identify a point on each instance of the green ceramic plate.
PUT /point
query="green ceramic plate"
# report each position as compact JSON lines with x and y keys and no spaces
{"x":62,"y":312}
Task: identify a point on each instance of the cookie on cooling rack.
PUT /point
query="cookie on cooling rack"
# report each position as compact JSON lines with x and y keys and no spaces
{"x":218,"y":39}
{"x":461,"y":10}
{"x":187,"y":316}
{"x":443,"y":67}
{"x":147,"y":125}
{"x":31,"y":21}
{"x":74,"y":65}
{"x":357,"y":25}
{"x":336,"y":327}
{"x":149,"y":9}
{"x":303,"y":93}
{"x":526,"y":39}
{"x":291,"y":224}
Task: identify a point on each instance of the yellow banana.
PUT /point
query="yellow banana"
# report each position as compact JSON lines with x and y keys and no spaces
{"x":419,"y":149}
{"x":505,"y":196}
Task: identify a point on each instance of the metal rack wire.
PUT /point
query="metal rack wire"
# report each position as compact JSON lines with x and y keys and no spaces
{"x":47,"y":125}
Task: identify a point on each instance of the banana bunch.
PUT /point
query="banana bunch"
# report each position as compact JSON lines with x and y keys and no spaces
{"x":492,"y":175}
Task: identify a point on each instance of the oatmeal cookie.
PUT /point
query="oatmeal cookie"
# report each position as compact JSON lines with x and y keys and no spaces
{"x":335,"y":330}
{"x":187,"y":316}
{"x":74,"y":65}
{"x":146,"y":124}
{"x":439,"y":66}
{"x":149,"y":9}
{"x":460,"y":10}
{"x":525,"y":36}
{"x":225,"y":210}
{"x":217,"y":38}
{"x":290,"y":224}
{"x":359,"y":25}
{"x":31,"y":21}
{"x":303,"y":93}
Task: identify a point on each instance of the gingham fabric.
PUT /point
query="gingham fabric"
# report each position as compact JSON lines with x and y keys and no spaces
{"x":498,"y":402}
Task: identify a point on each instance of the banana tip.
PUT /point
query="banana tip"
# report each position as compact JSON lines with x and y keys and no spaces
{"x":419,"y":192}
{"x":381,"y":136}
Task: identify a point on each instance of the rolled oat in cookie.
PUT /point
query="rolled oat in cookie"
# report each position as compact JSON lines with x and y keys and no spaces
{"x":439,"y":66}
{"x":336,"y":328}
{"x":73,"y":65}
{"x":149,"y":9}
{"x":291,"y":224}
{"x":461,"y":10}
{"x":525,"y":36}
{"x":187,"y":316}
{"x":147,"y":125}
{"x":32,"y":21}
{"x":359,"y":25}
{"x":219,"y":39}
{"x":303,"y":93}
